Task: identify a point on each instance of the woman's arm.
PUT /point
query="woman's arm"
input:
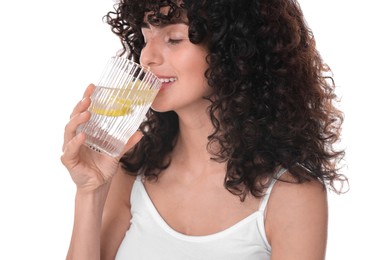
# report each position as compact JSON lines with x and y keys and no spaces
{"x":93,"y":173}
{"x":116,"y":215}
{"x":296,"y":221}
{"x":85,"y":241}
{"x":101,"y":219}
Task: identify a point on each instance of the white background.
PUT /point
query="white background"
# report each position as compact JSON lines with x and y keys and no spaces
{"x":51,"y":50}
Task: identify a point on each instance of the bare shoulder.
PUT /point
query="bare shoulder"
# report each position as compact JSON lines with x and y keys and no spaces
{"x":298,"y":194}
{"x":296,"y":220}
{"x":116,"y":214}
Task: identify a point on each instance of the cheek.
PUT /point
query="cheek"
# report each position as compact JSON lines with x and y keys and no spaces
{"x":194,"y":67}
{"x":192,"y":58}
{"x":195,"y":77}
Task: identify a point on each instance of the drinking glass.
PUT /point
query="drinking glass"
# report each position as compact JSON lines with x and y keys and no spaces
{"x":120,"y":101}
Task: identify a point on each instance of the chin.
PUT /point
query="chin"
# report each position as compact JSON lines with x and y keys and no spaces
{"x":160,"y":109}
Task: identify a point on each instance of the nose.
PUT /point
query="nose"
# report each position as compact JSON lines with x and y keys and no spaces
{"x":151,"y":54}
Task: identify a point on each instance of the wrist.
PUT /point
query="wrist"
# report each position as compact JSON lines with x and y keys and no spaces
{"x":92,"y":200}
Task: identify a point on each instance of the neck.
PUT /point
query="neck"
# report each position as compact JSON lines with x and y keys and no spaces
{"x":193,"y":136}
{"x":190,"y":153}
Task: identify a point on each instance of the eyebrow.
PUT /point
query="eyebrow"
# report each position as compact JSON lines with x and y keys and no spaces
{"x":162,"y":25}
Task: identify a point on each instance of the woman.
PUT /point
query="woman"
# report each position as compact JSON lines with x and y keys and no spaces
{"x":235,"y":157}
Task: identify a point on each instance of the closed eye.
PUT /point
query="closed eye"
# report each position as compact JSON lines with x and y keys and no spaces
{"x":174,"y":41}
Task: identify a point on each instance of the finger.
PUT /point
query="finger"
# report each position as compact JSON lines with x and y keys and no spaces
{"x":134,"y":139}
{"x":70,"y":157}
{"x":85,"y":101}
{"x":89,"y":90}
{"x":71,"y":128}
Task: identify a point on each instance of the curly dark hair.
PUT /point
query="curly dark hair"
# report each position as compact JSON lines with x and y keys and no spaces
{"x":273,"y":101}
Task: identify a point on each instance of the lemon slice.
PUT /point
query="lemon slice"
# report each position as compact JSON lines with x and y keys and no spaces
{"x":122,"y":108}
{"x":122,"y":102}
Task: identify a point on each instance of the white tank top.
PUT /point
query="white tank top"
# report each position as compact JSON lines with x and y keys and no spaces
{"x":151,"y":238}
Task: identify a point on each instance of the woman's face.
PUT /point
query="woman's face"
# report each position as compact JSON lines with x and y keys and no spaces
{"x":180,"y":65}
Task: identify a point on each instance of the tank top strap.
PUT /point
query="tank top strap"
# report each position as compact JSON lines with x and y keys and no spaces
{"x":135,"y":190}
{"x":264,"y":201}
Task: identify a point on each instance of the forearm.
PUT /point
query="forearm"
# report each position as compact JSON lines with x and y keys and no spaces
{"x":85,"y":241}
